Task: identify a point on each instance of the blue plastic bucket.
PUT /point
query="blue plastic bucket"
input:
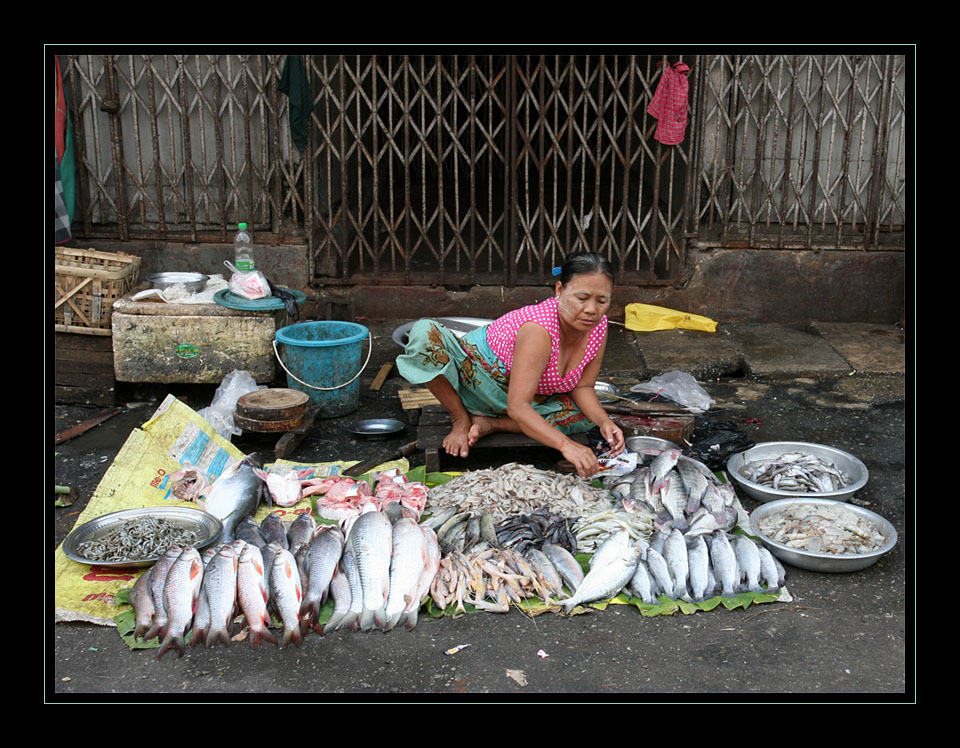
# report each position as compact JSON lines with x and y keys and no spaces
{"x":324,"y":359}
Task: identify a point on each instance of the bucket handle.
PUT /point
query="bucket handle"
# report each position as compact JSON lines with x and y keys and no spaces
{"x":326,"y":389}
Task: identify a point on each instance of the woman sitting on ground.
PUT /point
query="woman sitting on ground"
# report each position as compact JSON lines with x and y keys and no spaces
{"x":531,"y":371}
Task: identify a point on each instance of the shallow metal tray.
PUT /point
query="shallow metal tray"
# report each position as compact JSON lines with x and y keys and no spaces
{"x":846,"y":462}
{"x":827,"y":562}
{"x":209,"y":527}
{"x":376,"y":427}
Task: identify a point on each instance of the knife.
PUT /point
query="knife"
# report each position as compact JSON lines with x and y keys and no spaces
{"x":365,"y":465}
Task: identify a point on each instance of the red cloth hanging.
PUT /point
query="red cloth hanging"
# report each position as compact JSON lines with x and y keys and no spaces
{"x":669,"y":104}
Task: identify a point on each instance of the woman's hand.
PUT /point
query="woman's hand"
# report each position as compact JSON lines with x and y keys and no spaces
{"x":583,"y":459}
{"x":614,"y":436}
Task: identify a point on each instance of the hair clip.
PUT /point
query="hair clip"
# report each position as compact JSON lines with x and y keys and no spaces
{"x":557,"y":271}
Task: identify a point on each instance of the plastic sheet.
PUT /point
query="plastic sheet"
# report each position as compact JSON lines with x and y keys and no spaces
{"x":649,"y":318}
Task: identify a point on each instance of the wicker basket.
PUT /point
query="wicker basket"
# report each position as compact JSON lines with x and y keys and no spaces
{"x":88,"y":282}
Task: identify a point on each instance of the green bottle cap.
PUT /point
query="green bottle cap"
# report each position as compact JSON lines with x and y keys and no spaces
{"x":242,"y":226}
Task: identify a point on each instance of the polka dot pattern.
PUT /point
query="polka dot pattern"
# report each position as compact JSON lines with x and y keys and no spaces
{"x":502,"y":338}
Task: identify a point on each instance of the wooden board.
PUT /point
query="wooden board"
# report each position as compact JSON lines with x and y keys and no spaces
{"x":412,"y":399}
{"x":381,"y":376}
{"x":273,"y":404}
{"x":84,"y":370}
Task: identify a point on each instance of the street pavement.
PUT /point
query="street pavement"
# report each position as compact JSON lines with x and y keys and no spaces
{"x":842,"y":637}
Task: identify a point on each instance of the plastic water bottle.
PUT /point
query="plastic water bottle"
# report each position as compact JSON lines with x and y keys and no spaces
{"x":243,"y":250}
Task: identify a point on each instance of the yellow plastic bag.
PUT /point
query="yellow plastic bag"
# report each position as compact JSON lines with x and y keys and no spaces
{"x":647,"y":318}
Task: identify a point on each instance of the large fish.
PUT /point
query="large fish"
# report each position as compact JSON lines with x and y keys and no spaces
{"x":661,"y":465}
{"x":340,"y":592}
{"x":158,"y":575}
{"x":611,"y":549}
{"x":674,"y":499}
{"x":410,"y":615}
{"x":301,"y":531}
{"x":201,"y":616}
{"x":180,"y":592}
{"x":348,"y":565}
{"x":252,"y":595}
{"x":236,"y":494}
{"x":320,"y":562}
{"x":143,"y":607}
{"x":287,"y":594}
{"x":724,"y":564}
{"x":569,"y":568}
{"x":748,"y":559}
{"x":274,"y":531}
{"x":408,"y":560}
{"x":607,"y":580}
{"x":769,"y":570}
{"x":698,"y":556}
{"x":659,"y":571}
{"x":371,"y":540}
{"x":642,"y":584}
{"x":249,"y":532}
{"x":220,"y":592}
{"x":675,"y":553}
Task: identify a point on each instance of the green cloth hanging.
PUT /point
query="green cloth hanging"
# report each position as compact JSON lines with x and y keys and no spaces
{"x":294,"y":83}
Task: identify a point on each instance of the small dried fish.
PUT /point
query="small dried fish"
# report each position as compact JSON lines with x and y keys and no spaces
{"x":138,"y":539}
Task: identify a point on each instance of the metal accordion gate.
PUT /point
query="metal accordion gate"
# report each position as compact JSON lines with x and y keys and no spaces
{"x":486,"y":170}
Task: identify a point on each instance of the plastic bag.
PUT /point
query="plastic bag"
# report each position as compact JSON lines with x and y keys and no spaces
{"x":249,"y":285}
{"x":679,"y":387}
{"x":219,"y":414}
{"x":648,"y":318}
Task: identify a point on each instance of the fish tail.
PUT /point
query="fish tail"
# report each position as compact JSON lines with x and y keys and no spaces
{"x":172,"y":642}
{"x":218,"y":634}
{"x":261,"y":634}
{"x":197,"y":636}
{"x":292,"y":634}
{"x":410,"y":619}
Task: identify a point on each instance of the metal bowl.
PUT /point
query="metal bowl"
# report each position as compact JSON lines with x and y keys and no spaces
{"x":639,"y":443}
{"x":853,"y":468}
{"x":459,"y":326}
{"x":376,"y":427}
{"x":828,"y":562}
{"x":209,"y":527}
{"x":193,"y":282}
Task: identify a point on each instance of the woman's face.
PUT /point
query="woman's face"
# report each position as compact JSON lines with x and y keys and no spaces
{"x":584,"y":300}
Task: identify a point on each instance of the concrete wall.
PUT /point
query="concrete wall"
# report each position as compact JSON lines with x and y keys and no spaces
{"x":731,"y":285}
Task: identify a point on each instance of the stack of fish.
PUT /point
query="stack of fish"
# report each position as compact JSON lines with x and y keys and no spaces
{"x":522,"y":532}
{"x":514,"y":489}
{"x":491,"y":580}
{"x":673,"y":491}
{"x":677,"y":567}
{"x":377,"y":571}
{"x":796,"y":471}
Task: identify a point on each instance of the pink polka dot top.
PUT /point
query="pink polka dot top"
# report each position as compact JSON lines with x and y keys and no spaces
{"x":502,"y":337}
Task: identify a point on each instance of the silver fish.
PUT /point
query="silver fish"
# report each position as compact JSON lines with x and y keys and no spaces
{"x":408,"y":560}
{"x":642,"y":584}
{"x":348,"y":565}
{"x":661,"y":465}
{"x":235,"y":494}
{"x":568,"y":567}
{"x":612,"y":548}
{"x":607,"y":580}
{"x":143,"y":607}
{"x":249,"y":531}
{"x":659,"y":571}
{"x":694,"y":482}
{"x":768,"y":570}
{"x":340,"y":592}
{"x":410,"y":615}
{"x":547,"y":570}
{"x":748,"y":559}
{"x":219,"y":590}
{"x":675,"y":553}
{"x":274,"y":531}
{"x":180,"y":591}
{"x":320,"y":560}
{"x":158,"y":575}
{"x":301,"y":531}
{"x":287,"y":594}
{"x":698,"y":556}
{"x":674,"y":499}
{"x":724,"y":564}
{"x":252,"y":595}
{"x":371,"y":540}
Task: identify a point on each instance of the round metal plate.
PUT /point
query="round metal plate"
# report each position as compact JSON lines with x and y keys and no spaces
{"x":376,"y":427}
{"x":230,"y":300}
{"x":209,"y":527}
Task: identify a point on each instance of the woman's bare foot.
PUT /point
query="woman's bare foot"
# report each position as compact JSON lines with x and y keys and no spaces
{"x":483,"y":425}
{"x":457,"y":442}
